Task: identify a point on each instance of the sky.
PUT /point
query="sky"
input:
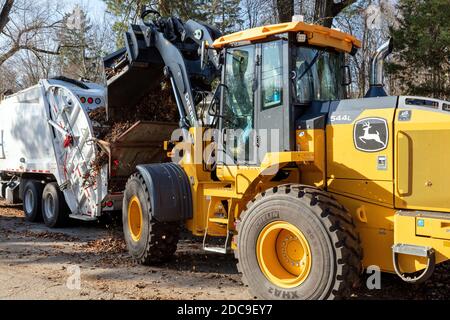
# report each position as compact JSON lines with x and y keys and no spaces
{"x":94,"y":8}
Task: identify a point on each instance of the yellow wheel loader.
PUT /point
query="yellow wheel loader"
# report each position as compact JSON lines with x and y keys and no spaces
{"x":307,"y":187}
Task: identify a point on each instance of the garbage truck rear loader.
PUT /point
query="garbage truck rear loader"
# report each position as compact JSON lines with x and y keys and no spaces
{"x":49,"y":150}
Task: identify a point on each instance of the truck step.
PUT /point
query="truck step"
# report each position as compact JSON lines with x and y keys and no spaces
{"x":82,"y":218}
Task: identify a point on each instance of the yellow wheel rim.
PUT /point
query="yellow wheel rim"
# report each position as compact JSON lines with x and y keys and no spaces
{"x":135,"y":218}
{"x":283,"y":254}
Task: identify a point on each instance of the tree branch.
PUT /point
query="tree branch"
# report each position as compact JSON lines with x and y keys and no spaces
{"x":8,"y":54}
{"x":15,"y":48}
{"x":34,"y":49}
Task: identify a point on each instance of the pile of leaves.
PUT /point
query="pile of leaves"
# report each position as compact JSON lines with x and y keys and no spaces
{"x":109,"y":245}
{"x":158,"y":105}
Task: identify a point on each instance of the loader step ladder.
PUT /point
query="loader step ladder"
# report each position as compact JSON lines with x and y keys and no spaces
{"x":418,"y":251}
{"x":225,"y":248}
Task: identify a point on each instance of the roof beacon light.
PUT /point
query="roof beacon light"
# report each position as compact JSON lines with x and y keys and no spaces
{"x":298,"y":18}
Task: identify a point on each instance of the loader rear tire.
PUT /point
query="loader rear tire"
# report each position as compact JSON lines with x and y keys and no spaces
{"x":32,"y":200}
{"x":148,"y":240}
{"x":54,"y":207}
{"x":297,"y":242}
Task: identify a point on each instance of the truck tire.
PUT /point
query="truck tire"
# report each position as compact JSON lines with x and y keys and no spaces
{"x":148,"y":240}
{"x":32,"y":200}
{"x":54,"y":207}
{"x":297,"y":242}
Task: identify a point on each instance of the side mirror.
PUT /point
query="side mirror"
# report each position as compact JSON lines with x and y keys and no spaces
{"x":204,"y":54}
{"x":346,"y":76}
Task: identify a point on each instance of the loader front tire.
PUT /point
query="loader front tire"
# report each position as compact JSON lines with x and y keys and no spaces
{"x":32,"y":200}
{"x":54,"y":207}
{"x":148,"y":240}
{"x":297,"y":242}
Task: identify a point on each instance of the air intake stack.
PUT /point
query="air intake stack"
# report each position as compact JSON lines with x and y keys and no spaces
{"x":376,"y":80}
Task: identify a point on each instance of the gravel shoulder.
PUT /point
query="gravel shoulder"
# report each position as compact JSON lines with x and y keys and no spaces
{"x":39,"y":263}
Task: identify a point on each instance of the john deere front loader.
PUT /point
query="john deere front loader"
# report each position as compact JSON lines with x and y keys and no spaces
{"x":305,"y":186}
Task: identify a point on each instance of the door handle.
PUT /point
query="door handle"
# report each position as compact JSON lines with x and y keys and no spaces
{"x":404,"y":164}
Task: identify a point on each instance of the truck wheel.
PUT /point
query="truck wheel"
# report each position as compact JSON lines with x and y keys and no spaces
{"x":32,"y":199}
{"x":54,"y":208}
{"x":148,"y":241}
{"x":297,"y":242}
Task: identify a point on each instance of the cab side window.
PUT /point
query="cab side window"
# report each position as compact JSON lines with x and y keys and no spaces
{"x":238,"y":109}
{"x":272,"y":74}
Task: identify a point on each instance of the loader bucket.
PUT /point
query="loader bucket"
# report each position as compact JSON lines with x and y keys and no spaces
{"x":142,"y":143}
{"x":129,"y":82}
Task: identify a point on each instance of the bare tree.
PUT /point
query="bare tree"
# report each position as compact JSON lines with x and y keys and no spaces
{"x":258,"y":12}
{"x":251,"y":12}
{"x":8,"y":80}
{"x":30,"y":48}
{"x":25,"y":26}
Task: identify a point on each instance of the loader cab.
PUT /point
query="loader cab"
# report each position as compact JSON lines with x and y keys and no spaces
{"x":266,"y":86}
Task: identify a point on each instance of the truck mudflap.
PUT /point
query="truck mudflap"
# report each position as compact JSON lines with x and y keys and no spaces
{"x":421,"y":240}
{"x":170,"y":190}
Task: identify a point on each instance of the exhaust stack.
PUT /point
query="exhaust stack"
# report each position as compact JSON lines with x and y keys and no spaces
{"x":376,"y":80}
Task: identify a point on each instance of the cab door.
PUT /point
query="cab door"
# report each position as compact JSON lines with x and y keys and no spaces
{"x":237,"y":120}
{"x":360,"y":148}
{"x":255,"y":115}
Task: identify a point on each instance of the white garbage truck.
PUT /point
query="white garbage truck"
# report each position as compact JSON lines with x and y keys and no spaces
{"x":49,"y":151}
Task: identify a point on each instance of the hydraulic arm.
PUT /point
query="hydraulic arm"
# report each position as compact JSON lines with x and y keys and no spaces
{"x":162,"y":47}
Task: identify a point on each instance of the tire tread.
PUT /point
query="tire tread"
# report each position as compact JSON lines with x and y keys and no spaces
{"x":163,"y":238}
{"x":339,"y":225}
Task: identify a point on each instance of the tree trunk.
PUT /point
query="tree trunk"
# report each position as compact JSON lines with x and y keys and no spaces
{"x":4,"y":14}
{"x":326,"y":10}
{"x":285,"y":10}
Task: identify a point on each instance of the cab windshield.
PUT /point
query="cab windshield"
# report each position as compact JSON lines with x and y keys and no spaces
{"x":317,"y":75}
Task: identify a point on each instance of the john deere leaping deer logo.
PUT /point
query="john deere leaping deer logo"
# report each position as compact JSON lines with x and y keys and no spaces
{"x":371,"y":134}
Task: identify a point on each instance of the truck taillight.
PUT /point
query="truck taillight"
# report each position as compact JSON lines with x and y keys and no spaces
{"x":83,"y":100}
{"x":90,"y":100}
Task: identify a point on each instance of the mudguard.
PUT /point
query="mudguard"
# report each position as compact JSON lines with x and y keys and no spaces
{"x":170,"y":191}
